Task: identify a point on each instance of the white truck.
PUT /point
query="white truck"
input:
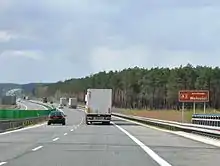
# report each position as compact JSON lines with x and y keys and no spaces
{"x":72,"y":103}
{"x":63,"y":101}
{"x":98,"y":105}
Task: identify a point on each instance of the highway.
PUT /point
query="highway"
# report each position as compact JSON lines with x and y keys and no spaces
{"x":30,"y":106}
{"x":121,"y":144}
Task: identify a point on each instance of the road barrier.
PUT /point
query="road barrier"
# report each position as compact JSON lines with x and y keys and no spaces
{"x":22,"y":114}
{"x":15,"y":119}
{"x":176,"y":126}
{"x":7,"y":125}
{"x":206,"y":119}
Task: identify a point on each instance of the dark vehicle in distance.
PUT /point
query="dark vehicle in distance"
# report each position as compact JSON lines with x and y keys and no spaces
{"x":44,"y":100}
{"x":56,"y":117}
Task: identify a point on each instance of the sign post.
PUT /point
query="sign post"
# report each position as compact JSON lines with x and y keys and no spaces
{"x":194,"y":107}
{"x":183,"y":107}
{"x":193,"y":96}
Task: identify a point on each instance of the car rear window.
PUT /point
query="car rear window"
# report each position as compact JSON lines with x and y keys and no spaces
{"x":57,"y":113}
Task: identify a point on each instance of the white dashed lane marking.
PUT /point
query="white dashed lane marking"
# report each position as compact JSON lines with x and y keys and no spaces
{"x":2,"y":163}
{"x":55,"y":139}
{"x":37,"y":148}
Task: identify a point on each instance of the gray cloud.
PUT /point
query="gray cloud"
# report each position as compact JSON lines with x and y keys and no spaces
{"x":76,"y":38}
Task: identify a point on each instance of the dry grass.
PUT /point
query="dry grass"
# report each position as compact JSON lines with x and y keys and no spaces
{"x":171,"y":115}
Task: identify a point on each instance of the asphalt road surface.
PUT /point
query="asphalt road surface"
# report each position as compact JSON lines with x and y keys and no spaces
{"x":119,"y":144}
{"x":30,"y":106}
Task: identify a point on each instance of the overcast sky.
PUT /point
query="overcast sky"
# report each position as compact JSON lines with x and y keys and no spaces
{"x":52,"y":40}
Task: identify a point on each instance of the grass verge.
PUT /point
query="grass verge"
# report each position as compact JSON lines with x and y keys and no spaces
{"x":171,"y":115}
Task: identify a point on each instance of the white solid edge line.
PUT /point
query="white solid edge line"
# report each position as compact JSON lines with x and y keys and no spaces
{"x":44,"y":107}
{"x":25,"y":128}
{"x":195,"y":137}
{"x":39,"y":104}
{"x":145,"y":125}
{"x":81,"y":121}
{"x":150,"y":152}
{"x":55,"y":139}
{"x":23,"y":105}
{"x":37,"y":148}
{"x":2,"y":163}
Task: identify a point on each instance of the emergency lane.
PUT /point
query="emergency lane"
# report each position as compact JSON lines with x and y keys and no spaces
{"x":175,"y":149}
{"x":97,"y":145}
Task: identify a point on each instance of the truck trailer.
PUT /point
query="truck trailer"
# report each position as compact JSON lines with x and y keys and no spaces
{"x":98,"y":106}
{"x":72,"y":103}
{"x":63,"y":101}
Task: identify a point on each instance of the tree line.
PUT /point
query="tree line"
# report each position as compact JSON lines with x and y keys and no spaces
{"x":155,"y":88}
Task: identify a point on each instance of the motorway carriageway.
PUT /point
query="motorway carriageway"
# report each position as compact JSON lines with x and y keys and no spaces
{"x":122,"y":143}
{"x":25,"y":105}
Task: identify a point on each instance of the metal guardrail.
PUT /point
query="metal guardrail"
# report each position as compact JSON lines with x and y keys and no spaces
{"x":206,"y":119}
{"x":22,"y":114}
{"x":196,"y":125}
{"x":190,"y":128}
{"x":6,"y":125}
{"x":15,"y":119}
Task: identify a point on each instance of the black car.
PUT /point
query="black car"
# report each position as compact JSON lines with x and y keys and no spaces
{"x":57,"y":117}
{"x":44,"y":100}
